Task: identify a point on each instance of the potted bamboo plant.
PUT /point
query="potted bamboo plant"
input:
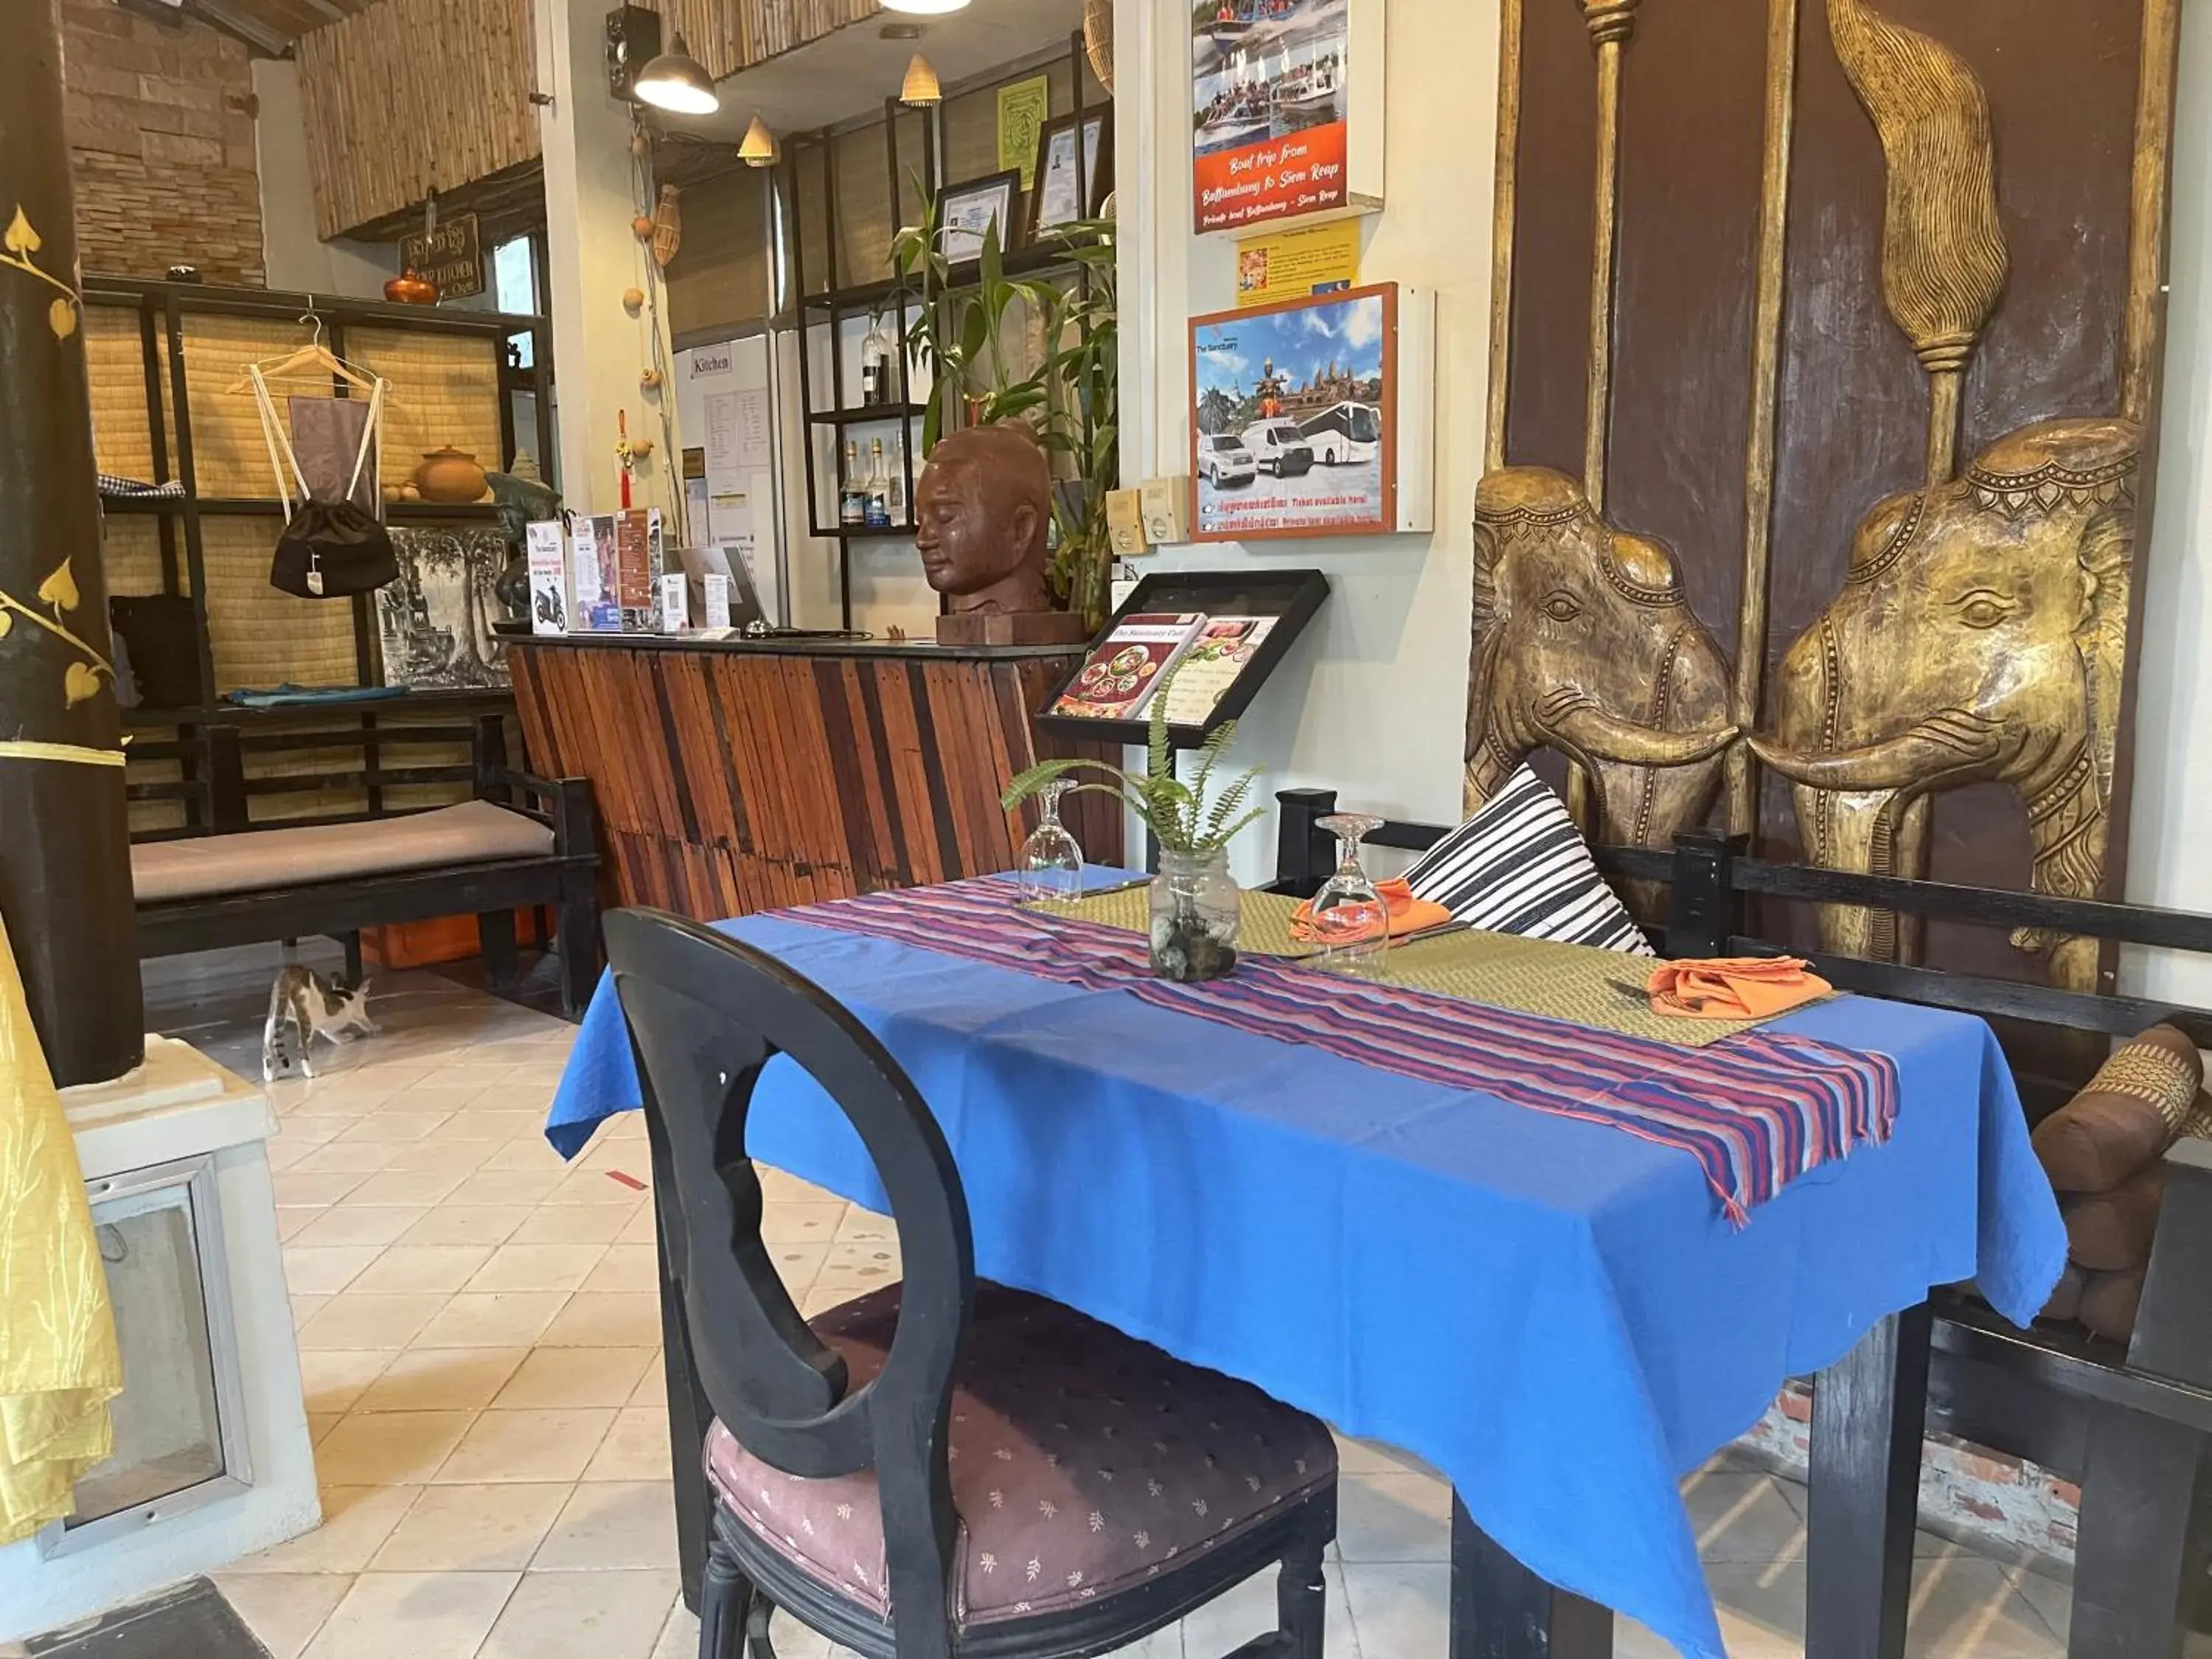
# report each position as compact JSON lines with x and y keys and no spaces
{"x":1195,"y":904}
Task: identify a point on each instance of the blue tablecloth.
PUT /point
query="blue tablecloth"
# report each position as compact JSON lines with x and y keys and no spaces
{"x":1553,"y":1313}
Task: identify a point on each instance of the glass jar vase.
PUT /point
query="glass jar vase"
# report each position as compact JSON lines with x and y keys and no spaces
{"x":1195,"y":910}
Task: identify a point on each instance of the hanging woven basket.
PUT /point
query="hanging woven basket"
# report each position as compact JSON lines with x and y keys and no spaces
{"x":1098,"y":40}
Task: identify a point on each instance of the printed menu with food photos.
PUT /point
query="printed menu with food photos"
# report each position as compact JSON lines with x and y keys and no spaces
{"x":1123,"y":668}
{"x":1224,"y":646}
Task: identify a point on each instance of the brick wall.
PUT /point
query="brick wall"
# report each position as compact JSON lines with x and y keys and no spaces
{"x":161,"y":130}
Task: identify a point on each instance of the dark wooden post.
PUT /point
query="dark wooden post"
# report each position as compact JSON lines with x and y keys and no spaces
{"x":64,"y":841}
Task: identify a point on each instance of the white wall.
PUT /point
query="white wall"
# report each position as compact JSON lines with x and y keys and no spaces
{"x":295,"y":257}
{"x":1373,"y":699}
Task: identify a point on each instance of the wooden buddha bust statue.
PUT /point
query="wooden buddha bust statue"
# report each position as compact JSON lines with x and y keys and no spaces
{"x":981,"y":506}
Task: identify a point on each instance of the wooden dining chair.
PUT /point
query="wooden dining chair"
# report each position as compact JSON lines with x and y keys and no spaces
{"x":945,"y":1466}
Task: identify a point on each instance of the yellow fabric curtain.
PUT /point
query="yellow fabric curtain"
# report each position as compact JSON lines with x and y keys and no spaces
{"x":59,"y":1364}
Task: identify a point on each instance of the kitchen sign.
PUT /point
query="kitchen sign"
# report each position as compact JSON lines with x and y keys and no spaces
{"x":451,"y":256}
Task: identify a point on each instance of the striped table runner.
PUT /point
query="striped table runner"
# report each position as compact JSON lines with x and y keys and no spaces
{"x":1755,"y":1110}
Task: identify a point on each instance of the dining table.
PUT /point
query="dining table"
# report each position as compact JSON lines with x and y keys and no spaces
{"x":1564,"y":1266}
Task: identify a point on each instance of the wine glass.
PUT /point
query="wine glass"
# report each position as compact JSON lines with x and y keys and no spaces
{"x":1351,"y":922}
{"x":1050,"y":865}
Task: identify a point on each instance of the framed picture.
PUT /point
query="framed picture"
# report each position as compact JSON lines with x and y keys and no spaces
{"x":1286,"y":111}
{"x":965,"y":211}
{"x":1296,"y":417}
{"x":435,"y":621}
{"x":1062,"y":194}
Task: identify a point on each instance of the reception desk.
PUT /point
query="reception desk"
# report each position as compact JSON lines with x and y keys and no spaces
{"x":745,"y":775}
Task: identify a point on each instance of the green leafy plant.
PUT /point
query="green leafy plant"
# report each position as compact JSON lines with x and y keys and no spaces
{"x":1070,"y":399}
{"x":1177,"y":813}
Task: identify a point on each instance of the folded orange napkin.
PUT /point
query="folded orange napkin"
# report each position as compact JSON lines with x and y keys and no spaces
{"x":1408,"y":914}
{"x":1733,"y":987}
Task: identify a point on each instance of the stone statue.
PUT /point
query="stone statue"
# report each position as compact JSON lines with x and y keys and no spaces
{"x":1980,"y":636}
{"x":981,"y":509}
{"x":1585,"y":644}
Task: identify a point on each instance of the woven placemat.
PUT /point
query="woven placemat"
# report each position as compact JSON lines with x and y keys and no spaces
{"x":1575,"y":983}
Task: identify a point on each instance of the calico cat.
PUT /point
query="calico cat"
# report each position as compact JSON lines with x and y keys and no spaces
{"x":301,"y":1000}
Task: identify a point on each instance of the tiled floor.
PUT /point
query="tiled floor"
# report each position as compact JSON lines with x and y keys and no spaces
{"x":479,"y":1334}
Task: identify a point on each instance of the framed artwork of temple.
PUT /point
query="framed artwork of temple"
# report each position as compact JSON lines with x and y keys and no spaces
{"x":1312,"y":417}
{"x":1824,"y":359}
{"x":1286,"y":112}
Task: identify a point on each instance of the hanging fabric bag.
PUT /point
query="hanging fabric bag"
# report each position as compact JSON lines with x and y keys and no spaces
{"x":329,"y":550}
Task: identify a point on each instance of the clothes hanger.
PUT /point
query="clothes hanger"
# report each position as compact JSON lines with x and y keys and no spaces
{"x":314,"y":356}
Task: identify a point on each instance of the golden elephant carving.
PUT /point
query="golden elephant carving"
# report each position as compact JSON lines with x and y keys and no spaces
{"x":1584,"y":644}
{"x":1980,"y":635}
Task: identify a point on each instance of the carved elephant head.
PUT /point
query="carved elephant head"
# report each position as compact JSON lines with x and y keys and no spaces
{"x":1583,"y":644}
{"x":1980,"y":635}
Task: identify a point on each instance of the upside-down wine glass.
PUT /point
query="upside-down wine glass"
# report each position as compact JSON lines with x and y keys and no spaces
{"x":1050,"y":867}
{"x":1351,"y":922}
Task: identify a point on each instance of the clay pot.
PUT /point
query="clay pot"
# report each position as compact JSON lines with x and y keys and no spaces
{"x":412,"y":288}
{"x":450,"y":478}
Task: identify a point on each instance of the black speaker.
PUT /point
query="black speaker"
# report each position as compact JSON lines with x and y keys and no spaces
{"x":632,"y":41}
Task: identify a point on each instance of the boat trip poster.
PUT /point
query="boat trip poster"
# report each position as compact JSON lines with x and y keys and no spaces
{"x":1268,"y":110}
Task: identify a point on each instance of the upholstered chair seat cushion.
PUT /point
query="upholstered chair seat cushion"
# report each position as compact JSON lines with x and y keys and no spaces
{"x":1083,"y":1462}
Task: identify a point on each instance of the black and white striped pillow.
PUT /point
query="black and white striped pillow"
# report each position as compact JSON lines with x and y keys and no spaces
{"x":1519,"y":866}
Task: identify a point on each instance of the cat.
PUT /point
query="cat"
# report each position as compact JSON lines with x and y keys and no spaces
{"x":301,"y":1000}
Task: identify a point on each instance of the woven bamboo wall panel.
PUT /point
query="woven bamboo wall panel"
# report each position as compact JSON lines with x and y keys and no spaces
{"x":131,"y":555}
{"x":445,"y":390}
{"x":115,"y":369}
{"x":230,"y":458}
{"x":730,"y":782}
{"x":411,"y":96}
{"x":260,"y":635}
{"x":728,"y":35}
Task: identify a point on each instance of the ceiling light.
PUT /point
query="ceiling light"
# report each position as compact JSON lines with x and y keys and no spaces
{"x":925,"y":8}
{"x":678,"y":83}
{"x":758,"y":150}
{"x":920,"y":89}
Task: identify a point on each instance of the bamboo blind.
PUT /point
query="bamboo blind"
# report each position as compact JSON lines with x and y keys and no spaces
{"x":259,"y":635}
{"x":445,"y":390}
{"x":411,"y":96}
{"x":115,"y":370}
{"x":728,"y":35}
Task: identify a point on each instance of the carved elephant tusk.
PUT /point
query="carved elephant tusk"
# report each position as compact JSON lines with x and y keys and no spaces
{"x":1573,"y":723}
{"x":1950,"y":747}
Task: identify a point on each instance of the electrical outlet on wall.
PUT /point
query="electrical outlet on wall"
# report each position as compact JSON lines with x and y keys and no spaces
{"x":1166,"y":510}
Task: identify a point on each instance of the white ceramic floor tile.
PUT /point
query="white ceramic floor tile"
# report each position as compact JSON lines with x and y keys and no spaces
{"x":1401,"y":1611}
{"x":477,"y":1124}
{"x":407,"y":1187}
{"x":357,"y":1224}
{"x":343,"y":1157}
{"x":442,"y":1379}
{"x":483,"y":1529}
{"x":357,"y":1319}
{"x":332,"y":1379}
{"x":385,"y":1124}
{"x":558,"y":1378}
{"x":505,"y":1187}
{"x":411,"y":1615}
{"x":284,"y":1610}
{"x":356,"y":1519}
{"x":606,"y":1320}
{"x":505,"y":1319}
{"x":305,"y":1308}
{"x":527,"y":1445}
{"x":390,"y":1448}
{"x":652,"y":1388}
{"x":573,"y":1223}
{"x":800,"y":1224}
{"x":1744,"y":1518}
{"x":612,"y":1524}
{"x":467,"y":1224}
{"x":467,"y":1156}
{"x":1966,"y":1608}
{"x":407,"y":1268}
{"x":636,"y":1448}
{"x":1398,"y":1517}
{"x":600,"y":1186}
{"x":2051,"y":1598}
{"x":310,"y":1271}
{"x":514,"y":1266}
{"x":1228,"y":1621}
{"x":299,"y":1188}
{"x":529,"y":1152}
{"x":583,"y":1615}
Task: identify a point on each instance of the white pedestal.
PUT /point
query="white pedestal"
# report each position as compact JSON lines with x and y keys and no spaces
{"x":182,"y":1105}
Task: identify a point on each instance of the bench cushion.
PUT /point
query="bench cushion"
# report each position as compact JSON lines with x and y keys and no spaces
{"x":257,"y":860}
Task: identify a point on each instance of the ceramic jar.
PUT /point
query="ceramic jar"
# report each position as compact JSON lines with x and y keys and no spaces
{"x":412,"y":288}
{"x":450,"y":478}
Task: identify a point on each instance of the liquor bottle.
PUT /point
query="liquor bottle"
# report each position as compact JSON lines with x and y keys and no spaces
{"x":879,"y":495}
{"x":875,"y":367}
{"x":895,"y":479}
{"x":852,"y":494}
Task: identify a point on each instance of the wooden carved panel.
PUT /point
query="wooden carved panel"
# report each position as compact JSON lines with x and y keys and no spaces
{"x":1842,"y":316}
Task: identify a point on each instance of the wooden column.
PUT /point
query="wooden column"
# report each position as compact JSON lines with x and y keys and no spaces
{"x":64,"y":844}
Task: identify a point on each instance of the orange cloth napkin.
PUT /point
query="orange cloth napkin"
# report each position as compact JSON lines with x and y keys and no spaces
{"x":1733,"y":987}
{"x":1408,"y":914}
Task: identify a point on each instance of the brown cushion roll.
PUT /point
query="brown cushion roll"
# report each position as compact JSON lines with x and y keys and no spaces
{"x":2111,"y":1230}
{"x":2109,"y":1302}
{"x":2127,"y":1117}
{"x":2066,"y":1296}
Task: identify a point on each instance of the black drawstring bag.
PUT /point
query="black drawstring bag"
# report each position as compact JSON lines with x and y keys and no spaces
{"x":331,"y":550}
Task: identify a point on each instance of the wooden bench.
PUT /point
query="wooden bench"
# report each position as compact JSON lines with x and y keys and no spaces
{"x":2131,"y":1425}
{"x":225,"y":878}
